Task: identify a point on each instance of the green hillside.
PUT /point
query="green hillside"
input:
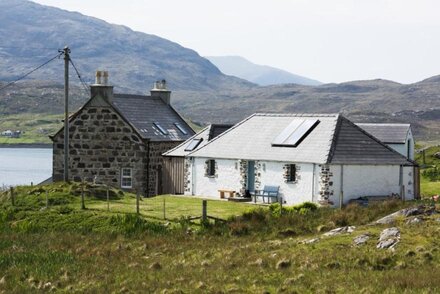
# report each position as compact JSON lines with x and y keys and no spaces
{"x":65,"y":249}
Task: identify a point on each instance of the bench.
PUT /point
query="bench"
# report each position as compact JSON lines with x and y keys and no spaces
{"x":223,"y":192}
{"x":269,"y":192}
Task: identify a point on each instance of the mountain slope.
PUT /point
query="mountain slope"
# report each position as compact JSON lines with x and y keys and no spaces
{"x":135,"y":60}
{"x":259,"y":74}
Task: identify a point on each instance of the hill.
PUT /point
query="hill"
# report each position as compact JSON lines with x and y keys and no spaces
{"x":262,"y":75}
{"x":134,"y":59}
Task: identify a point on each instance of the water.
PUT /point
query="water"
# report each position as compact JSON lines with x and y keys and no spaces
{"x":21,"y":166}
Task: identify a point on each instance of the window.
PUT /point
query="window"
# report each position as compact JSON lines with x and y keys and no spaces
{"x":193,"y":144}
{"x":126,"y":180}
{"x":295,"y":132}
{"x":161,"y":129}
{"x":210,"y":168}
{"x":181,"y":128}
{"x":291,"y":172}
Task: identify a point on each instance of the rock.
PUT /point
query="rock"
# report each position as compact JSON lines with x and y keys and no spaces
{"x":436,"y":155}
{"x":310,"y":241}
{"x":338,"y":231}
{"x":413,"y":221}
{"x":3,"y":280}
{"x":361,"y":239}
{"x":389,"y":233}
{"x":389,"y":219}
{"x":282,"y":264}
{"x":413,"y":211}
{"x":389,"y":238}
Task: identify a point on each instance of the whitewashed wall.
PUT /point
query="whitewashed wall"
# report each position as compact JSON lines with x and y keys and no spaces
{"x":227,"y":177}
{"x":370,"y":180}
{"x":292,"y":193}
{"x":403,"y":148}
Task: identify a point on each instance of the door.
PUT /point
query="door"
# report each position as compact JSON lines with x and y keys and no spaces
{"x":251,"y":176}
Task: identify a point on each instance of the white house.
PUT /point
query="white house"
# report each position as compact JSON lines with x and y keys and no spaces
{"x":397,"y":136}
{"x":321,"y":158}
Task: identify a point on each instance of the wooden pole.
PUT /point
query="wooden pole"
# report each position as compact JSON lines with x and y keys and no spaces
{"x":12,"y":197}
{"x":204,"y":211}
{"x":83,"y":205}
{"x":66,"y":52}
{"x":164,"y":216}
{"x":108,"y":200}
{"x":137,"y":202}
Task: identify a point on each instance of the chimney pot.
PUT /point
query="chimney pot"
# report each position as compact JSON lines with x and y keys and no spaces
{"x":98,"y":77}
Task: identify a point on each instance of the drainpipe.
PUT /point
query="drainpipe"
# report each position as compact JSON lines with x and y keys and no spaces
{"x":148,"y":168}
{"x":313,"y":184}
{"x":341,"y":195}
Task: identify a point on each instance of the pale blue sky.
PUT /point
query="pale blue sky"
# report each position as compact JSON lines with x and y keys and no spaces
{"x":328,"y":40}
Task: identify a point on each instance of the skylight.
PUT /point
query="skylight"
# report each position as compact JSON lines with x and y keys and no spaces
{"x":161,"y":129}
{"x":295,"y":132}
{"x":181,"y":128}
{"x":193,"y":144}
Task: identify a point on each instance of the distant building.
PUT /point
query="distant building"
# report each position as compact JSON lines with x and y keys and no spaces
{"x":118,"y":139}
{"x":397,"y":136}
{"x":323,"y":158}
{"x":12,"y":134}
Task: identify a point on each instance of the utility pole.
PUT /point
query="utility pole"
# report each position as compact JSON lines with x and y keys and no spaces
{"x":66,"y":52}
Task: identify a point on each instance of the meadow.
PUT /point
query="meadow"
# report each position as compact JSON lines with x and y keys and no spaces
{"x":259,"y":249}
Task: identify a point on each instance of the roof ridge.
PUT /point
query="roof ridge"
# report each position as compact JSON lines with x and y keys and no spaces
{"x":296,"y":114}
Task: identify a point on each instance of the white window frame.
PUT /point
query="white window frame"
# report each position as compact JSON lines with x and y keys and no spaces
{"x":126,"y":177}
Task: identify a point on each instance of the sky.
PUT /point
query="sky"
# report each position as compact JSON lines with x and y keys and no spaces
{"x":326,"y":40}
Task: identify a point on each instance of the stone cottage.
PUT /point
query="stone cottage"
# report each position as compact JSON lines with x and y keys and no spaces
{"x":118,"y":139}
{"x":323,"y":158}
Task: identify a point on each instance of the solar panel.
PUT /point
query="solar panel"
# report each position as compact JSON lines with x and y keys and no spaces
{"x":161,"y":129}
{"x":181,"y":128}
{"x":295,"y":132}
{"x":193,"y":144}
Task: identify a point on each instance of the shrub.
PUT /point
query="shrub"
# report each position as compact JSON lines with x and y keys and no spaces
{"x":433,"y":174}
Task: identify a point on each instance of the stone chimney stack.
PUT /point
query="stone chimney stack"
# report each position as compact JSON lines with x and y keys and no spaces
{"x":160,"y":90}
{"x":101,"y":86}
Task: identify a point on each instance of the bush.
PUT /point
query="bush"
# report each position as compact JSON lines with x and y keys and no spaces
{"x":433,"y":174}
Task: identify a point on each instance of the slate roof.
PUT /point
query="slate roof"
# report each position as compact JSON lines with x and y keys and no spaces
{"x":208,"y":133}
{"x":334,"y":140}
{"x":387,"y":133}
{"x":143,"y":111}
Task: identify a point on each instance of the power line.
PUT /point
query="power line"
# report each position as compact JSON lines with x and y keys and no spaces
{"x":86,"y":88}
{"x":30,"y":72}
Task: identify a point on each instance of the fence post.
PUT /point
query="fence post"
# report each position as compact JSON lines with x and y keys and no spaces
{"x":47,"y":199}
{"x":12,"y":197}
{"x":204,"y":211}
{"x":137,"y":202}
{"x":83,"y":205}
{"x":108,"y":200}
{"x":164,"y":215}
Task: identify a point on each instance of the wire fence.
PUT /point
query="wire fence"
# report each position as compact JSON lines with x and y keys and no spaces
{"x":108,"y":200}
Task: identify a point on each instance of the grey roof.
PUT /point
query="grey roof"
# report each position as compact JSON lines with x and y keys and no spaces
{"x":334,"y":140}
{"x":143,"y":111}
{"x":251,"y":139}
{"x":207,"y":134}
{"x":387,"y":133}
{"x":353,"y":145}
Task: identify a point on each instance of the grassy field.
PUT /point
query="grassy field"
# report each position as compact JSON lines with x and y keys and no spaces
{"x":36,"y":127}
{"x":66,"y":249}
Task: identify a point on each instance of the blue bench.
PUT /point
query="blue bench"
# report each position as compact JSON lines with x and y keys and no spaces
{"x":269,"y":192}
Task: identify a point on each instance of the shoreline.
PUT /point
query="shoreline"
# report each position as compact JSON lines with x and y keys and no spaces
{"x":26,"y":145}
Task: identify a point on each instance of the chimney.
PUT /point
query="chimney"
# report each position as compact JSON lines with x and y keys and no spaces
{"x":101,"y":86}
{"x":160,"y":90}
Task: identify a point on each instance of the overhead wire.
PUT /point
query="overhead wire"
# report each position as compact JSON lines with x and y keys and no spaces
{"x":86,"y":88}
{"x":30,"y":72}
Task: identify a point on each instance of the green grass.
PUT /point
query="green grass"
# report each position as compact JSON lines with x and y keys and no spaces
{"x":66,"y":249}
{"x":36,"y":127}
{"x":429,"y":156}
{"x":429,"y":188}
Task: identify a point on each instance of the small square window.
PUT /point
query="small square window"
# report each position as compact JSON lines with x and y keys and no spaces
{"x":211,"y":168}
{"x":126,"y":178}
{"x":291,"y":172}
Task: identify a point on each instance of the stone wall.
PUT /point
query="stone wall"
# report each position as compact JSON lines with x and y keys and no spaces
{"x":101,"y":144}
